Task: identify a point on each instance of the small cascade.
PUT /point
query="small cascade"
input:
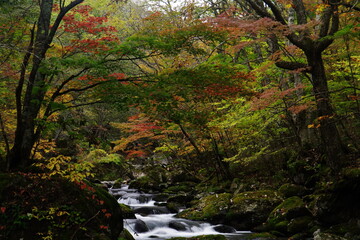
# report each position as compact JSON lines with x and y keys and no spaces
{"x":156,"y":222}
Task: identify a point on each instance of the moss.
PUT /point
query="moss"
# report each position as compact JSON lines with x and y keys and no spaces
{"x":260,"y":236}
{"x":351,"y":173}
{"x":300,"y":224}
{"x":263,"y":194}
{"x":118,"y":183}
{"x":179,"y":188}
{"x":280,"y":213}
{"x":250,"y":209}
{"x":349,"y":228}
{"x":290,"y":190}
{"x":281,"y":226}
{"x":125,"y":235}
{"x":210,"y":208}
{"x":300,"y":236}
{"x":127,"y":211}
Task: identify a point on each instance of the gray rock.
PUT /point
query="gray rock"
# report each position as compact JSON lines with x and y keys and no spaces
{"x":140,"y":226}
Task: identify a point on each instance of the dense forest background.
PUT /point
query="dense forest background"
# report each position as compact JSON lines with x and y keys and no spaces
{"x":261,"y":90}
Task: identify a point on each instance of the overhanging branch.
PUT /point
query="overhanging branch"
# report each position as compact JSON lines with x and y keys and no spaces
{"x":302,"y":67}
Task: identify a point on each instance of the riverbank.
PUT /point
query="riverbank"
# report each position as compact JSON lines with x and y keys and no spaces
{"x":326,"y":210}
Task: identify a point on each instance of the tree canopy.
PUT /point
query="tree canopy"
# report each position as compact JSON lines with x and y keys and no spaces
{"x":221,"y":82}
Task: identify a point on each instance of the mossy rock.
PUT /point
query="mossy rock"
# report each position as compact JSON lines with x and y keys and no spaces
{"x":144,"y":183}
{"x":183,"y":187}
{"x":156,"y":173}
{"x":300,"y":236}
{"x":118,"y":183}
{"x":351,"y":173}
{"x":249,"y":209}
{"x":328,"y":236}
{"x":211,"y":208}
{"x":300,"y":224}
{"x":202,"y":237}
{"x":290,"y":190}
{"x":33,"y":206}
{"x":127,"y":212}
{"x":183,"y":177}
{"x":126,"y":235}
{"x":290,"y":208}
{"x":281,"y":227}
{"x":260,"y":236}
{"x":350,"y":229}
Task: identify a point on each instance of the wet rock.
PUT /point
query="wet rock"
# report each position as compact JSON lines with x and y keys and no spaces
{"x":140,"y":226}
{"x":181,"y":199}
{"x":177,"y":225}
{"x":163,"y":197}
{"x":224,"y":229}
{"x":178,"y":202}
{"x":150,"y":210}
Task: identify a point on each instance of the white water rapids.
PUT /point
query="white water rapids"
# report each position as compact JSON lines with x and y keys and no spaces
{"x":156,"y":222}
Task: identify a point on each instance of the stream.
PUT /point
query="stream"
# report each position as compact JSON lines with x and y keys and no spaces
{"x":154,"y":221}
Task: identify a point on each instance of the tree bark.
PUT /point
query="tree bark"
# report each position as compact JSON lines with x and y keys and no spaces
{"x":329,"y":133}
{"x":28,"y":106}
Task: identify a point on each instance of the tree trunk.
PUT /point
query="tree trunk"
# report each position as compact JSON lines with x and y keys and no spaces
{"x":28,"y":106}
{"x":331,"y":141}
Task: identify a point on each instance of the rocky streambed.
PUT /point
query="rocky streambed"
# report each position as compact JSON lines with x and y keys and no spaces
{"x":292,"y":211}
{"x":151,"y":219}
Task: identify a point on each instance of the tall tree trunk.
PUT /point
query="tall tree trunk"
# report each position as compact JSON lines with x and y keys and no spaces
{"x":329,"y":133}
{"x":28,"y":106}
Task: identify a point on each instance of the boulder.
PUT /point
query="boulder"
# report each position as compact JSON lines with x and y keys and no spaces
{"x":180,"y":201}
{"x":33,"y":206}
{"x":145,"y":184}
{"x":290,"y":216}
{"x":249,"y":209}
{"x":260,"y":236}
{"x":127,"y":212}
{"x":224,"y":229}
{"x":140,"y":226}
{"x":125,"y":235}
{"x":327,"y":236}
{"x":151,"y":210}
{"x":299,"y":224}
{"x":177,"y":225}
{"x":290,"y":190}
{"x":339,"y":201}
{"x":212,"y":208}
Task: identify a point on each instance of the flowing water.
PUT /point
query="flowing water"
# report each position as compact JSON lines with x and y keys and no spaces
{"x":154,"y":221}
